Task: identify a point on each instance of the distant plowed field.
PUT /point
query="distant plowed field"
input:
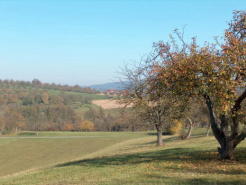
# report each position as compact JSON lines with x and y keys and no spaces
{"x":108,"y":104}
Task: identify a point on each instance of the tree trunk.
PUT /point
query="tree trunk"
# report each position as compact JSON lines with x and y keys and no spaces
{"x":159,"y":138}
{"x":226,"y":151}
{"x":227,"y":133}
{"x":190,"y":129}
{"x":208,"y":129}
{"x":159,"y":135}
{"x":227,"y":141}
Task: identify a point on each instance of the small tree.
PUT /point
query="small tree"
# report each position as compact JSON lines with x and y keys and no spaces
{"x":157,"y":113}
{"x":86,"y":125}
{"x":175,"y":127}
{"x":13,"y":120}
{"x":2,"y":124}
{"x":151,"y":106}
{"x":68,"y":127}
{"x":45,"y":98}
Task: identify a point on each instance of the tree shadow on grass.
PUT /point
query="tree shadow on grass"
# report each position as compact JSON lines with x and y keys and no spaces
{"x":175,"y":138}
{"x":190,"y":156}
{"x":155,"y":133}
{"x":167,"y":180}
{"x":162,"y":179}
{"x":195,"y":181}
{"x":203,"y":181}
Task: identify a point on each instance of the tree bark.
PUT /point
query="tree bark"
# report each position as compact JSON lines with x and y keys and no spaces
{"x":219,"y":135}
{"x":187,"y":136}
{"x":226,"y":151}
{"x":228,"y":139}
{"x":208,"y":129}
{"x":159,"y":135}
{"x":226,"y":148}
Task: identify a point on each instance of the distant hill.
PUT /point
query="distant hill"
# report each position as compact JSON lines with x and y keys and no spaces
{"x":111,"y":85}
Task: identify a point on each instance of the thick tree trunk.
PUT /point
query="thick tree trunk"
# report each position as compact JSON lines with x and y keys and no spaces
{"x":159,"y":135}
{"x":227,"y":138}
{"x":219,"y":135}
{"x":226,"y":151}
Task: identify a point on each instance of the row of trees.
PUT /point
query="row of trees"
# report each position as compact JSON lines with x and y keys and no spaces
{"x":42,"y":117}
{"x":116,"y":120}
{"x":179,"y":76}
{"x":31,"y":107}
{"x":60,"y":117}
{"x":37,"y":83}
{"x":32,"y":97}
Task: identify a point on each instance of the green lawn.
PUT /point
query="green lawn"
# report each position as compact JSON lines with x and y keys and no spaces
{"x":29,"y":151}
{"x":89,"y":134}
{"x":129,"y":159}
{"x":85,"y":95}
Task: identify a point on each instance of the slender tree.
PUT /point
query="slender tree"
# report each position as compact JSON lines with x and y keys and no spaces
{"x":152,"y":107}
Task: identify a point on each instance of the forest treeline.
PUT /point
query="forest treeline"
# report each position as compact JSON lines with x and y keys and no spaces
{"x":40,"y":106}
{"x":35,"y":83}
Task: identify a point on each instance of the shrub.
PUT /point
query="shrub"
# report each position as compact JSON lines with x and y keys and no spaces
{"x":175,"y":127}
{"x":86,"y":125}
{"x":68,"y":127}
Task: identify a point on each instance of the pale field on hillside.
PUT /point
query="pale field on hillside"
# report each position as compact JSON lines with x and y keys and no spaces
{"x":108,"y":104}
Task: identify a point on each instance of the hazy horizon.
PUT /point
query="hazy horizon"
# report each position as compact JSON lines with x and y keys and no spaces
{"x":57,"y":83}
{"x":86,"y":42}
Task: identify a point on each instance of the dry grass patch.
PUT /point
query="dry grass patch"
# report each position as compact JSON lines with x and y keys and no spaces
{"x":108,"y":104}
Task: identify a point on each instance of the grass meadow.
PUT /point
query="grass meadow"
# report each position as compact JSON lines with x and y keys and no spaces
{"x":75,"y":158}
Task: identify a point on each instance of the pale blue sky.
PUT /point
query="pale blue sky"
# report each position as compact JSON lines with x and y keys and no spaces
{"x":85,"y":42}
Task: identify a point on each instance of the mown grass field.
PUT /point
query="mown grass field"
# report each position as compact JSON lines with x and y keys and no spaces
{"x":85,"y":95}
{"x":31,"y":151}
{"x":120,"y":158}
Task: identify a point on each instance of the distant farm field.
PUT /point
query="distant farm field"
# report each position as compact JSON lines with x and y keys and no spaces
{"x":108,"y":104}
{"x":85,"y":95}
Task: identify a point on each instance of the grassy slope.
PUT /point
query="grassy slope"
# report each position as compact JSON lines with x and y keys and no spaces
{"x":81,"y":108}
{"x":29,"y":151}
{"x":123,"y":135}
{"x":138,"y":161}
{"x":85,"y":95}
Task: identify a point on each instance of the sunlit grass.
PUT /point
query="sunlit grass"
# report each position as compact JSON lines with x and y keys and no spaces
{"x":139,"y":161}
{"x":32,"y":151}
